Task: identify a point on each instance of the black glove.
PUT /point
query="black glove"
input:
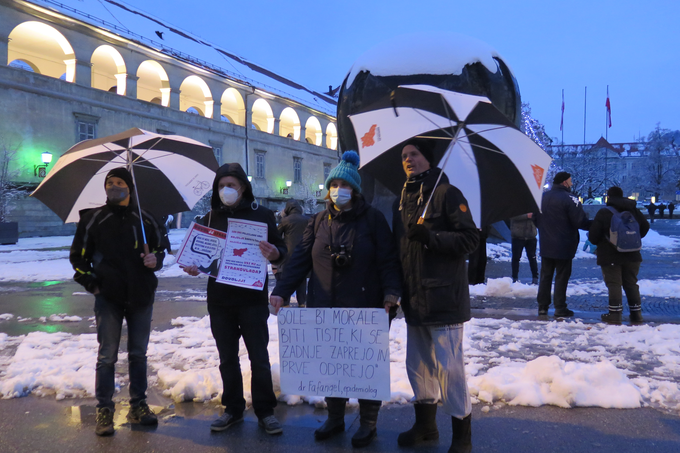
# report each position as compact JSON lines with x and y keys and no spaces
{"x":419,"y":233}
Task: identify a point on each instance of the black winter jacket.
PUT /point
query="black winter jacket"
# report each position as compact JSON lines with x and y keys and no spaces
{"x":292,"y":227}
{"x":562,"y":215}
{"x":106,"y":253}
{"x":374,"y":269}
{"x":599,"y":232}
{"x":218,"y":218}
{"x":436,"y":290}
{"x":522,"y":227}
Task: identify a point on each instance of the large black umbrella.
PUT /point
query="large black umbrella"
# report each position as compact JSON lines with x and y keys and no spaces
{"x":498,"y":168}
{"x":171,"y":173}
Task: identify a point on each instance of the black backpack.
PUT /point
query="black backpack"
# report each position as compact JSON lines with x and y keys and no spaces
{"x":624,"y":231}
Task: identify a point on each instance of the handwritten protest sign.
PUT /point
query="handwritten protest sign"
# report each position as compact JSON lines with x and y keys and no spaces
{"x":242,"y":262}
{"x":202,"y":246}
{"x":340,"y":352}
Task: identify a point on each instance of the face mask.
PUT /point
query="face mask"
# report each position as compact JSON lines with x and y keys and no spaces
{"x":117,"y":194}
{"x":340,"y":196}
{"x":229,"y":196}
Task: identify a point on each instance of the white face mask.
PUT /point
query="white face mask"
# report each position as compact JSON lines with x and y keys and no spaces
{"x":229,"y":196}
{"x":340,"y":196}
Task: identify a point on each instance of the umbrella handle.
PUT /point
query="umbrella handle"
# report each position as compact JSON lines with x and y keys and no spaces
{"x":420,"y":221}
{"x":146,"y":249}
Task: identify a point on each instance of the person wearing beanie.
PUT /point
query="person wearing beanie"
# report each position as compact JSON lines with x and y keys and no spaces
{"x":619,"y":269}
{"x":561,"y":217}
{"x":237,"y":312}
{"x":109,"y":260}
{"x":436,"y":299}
{"x":351,"y":253}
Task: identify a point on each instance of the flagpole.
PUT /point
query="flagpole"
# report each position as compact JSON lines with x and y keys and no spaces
{"x":562,"y":127}
{"x":606,"y":117}
{"x":585,"y":102}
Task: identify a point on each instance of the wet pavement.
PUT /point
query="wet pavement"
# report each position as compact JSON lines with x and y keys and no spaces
{"x":37,"y":424}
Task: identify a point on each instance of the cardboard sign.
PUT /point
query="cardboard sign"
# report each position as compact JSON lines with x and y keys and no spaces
{"x":202,"y":246}
{"x":339,"y":352}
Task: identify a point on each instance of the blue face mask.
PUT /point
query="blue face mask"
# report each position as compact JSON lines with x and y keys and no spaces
{"x":340,"y":196}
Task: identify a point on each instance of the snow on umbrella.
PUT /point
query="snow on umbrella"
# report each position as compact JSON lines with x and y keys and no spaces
{"x":498,"y":168}
{"x":171,"y":173}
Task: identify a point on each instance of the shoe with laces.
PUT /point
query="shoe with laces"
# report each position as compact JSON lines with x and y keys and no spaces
{"x":271,"y":425}
{"x":142,"y":414}
{"x":564,"y":313}
{"x":104,"y":422}
{"x":225,"y":421}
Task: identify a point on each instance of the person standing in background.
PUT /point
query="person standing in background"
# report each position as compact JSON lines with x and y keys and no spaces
{"x":523,"y":233}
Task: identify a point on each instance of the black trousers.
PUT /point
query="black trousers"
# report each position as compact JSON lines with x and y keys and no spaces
{"x":561,"y":269}
{"x":228,"y":325}
{"x":519,"y":244}
{"x":477,"y":260}
{"x":617,"y":276}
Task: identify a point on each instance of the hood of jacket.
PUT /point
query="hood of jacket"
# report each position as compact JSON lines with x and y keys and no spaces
{"x":621,"y":204}
{"x":233,"y":169}
{"x":292,"y":207}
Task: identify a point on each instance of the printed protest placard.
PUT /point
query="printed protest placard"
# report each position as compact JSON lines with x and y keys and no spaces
{"x":202,"y":246}
{"x":242,"y":262}
{"x":340,"y":352}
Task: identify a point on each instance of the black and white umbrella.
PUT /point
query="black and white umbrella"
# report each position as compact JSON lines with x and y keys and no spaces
{"x":498,"y":168}
{"x":171,"y":173}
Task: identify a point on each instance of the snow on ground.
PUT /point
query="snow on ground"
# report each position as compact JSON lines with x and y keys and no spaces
{"x":527,"y":363}
{"x":508,"y":362}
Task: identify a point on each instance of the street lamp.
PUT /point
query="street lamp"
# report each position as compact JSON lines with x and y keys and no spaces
{"x":318,"y":192}
{"x":41,"y":170}
{"x":284,"y":190}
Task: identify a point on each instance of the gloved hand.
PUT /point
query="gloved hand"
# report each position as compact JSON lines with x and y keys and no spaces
{"x":419,"y":233}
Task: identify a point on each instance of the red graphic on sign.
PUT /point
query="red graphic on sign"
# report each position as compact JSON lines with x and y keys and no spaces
{"x":239,"y":252}
{"x":538,"y":174}
{"x":258,"y":284}
{"x":369,"y":137}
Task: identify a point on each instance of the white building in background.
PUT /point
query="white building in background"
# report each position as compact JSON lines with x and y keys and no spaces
{"x":74,"y":70}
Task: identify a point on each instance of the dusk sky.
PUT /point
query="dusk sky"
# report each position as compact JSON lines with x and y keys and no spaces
{"x":632,"y":46}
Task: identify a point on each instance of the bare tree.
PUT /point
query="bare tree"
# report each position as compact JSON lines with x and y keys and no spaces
{"x":306,"y":192}
{"x":10,"y":190}
{"x":659,"y":169}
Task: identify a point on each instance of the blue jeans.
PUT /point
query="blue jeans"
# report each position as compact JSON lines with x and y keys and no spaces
{"x":109,"y":317}
{"x":228,"y":325}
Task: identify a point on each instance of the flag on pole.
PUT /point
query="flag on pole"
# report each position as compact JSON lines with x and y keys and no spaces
{"x":609,"y":109}
{"x":562,"y":120}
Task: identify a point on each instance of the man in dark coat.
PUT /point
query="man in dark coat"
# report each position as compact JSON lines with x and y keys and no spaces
{"x":619,"y":269}
{"x":436,"y":299}
{"x":523,"y":233}
{"x":291,"y":228}
{"x":671,"y":208}
{"x":561,"y":217}
{"x":110,"y":262}
{"x":651,"y":208}
{"x":661,"y":207}
{"x":237,"y":312}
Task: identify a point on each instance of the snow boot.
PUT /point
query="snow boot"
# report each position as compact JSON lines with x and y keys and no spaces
{"x":614,"y":315}
{"x":425,"y":427}
{"x":335,"y":424}
{"x":461,"y":440}
{"x":636,"y":316}
{"x":104,"y":422}
{"x":368,"y":419}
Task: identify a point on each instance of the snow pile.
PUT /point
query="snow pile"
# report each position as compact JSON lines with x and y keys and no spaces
{"x":527,"y":363}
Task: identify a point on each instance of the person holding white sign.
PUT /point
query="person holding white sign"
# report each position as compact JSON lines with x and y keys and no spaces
{"x":237,"y":311}
{"x":352,"y":255}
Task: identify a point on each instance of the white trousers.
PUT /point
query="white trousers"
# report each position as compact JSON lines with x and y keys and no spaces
{"x":435,"y":367}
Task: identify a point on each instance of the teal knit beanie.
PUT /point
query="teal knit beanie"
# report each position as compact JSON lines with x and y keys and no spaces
{"x":347,"y":171}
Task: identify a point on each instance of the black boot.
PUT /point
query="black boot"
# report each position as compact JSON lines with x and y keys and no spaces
{"x":368,"y":418}
{"x":425,"y":427}
{"x":613,"y":317}
{"x":336,"y":419}
{"x":636,"y":316}
{"x":461,"y":440}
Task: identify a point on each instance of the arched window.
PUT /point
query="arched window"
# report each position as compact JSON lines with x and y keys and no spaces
{"x":152,"y":83}
{"x":43,"y":49}
{"x":331,"y":136}
{"x":194,"y":92}
{"x":263,"y":117}
{"x":289,"y":124}
{"x":313,"y":132}
{"x":108,"y":70}
{"x":233,"y":107}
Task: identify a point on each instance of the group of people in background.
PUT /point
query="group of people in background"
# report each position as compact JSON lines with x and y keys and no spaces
{"x":652,"y":208}
{"x":352,"y":260}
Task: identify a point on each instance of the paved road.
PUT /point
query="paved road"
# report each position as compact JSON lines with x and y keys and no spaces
{"x":34,"y":424}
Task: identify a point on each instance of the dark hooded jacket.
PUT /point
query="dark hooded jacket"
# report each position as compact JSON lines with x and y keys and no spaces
{"x":218,"y":218}
{"x":106,"y":253}
{"x":372,"y":274}
{"x":561,"y":217}
{"x":436,"y":290}
{"x":599,"y":232}
{"x":291,"y":227}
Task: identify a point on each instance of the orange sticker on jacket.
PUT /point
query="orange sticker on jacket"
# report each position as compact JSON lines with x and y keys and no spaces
{"x":462,"y":207}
